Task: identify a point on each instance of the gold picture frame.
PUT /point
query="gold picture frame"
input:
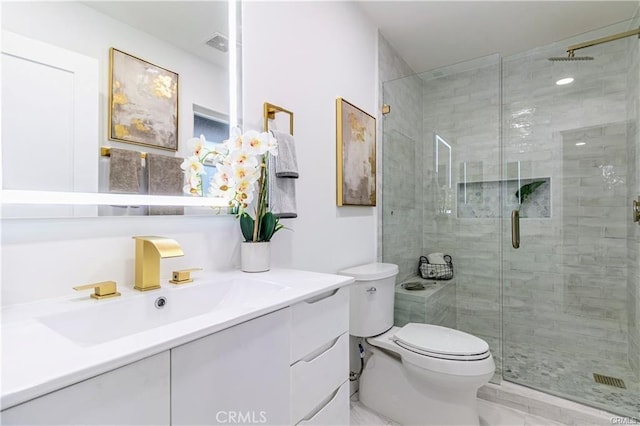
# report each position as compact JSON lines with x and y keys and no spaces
{"x":143,"y":102}
{"x":356,"y":155}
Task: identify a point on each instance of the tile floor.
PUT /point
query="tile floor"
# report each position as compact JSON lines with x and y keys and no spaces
{"x":571,"y":376}
{"x":491,"y":414}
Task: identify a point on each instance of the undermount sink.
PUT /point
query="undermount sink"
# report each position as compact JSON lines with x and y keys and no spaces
{"x":120,"y":317}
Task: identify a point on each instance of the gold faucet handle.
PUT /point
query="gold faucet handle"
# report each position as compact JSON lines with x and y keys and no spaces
{"x":183,"y":276}
{"x":102,"y":290}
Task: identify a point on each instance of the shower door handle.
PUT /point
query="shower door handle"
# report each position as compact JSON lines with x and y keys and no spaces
{"x":515,"y":229}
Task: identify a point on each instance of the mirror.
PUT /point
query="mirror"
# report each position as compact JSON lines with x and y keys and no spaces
{"x":57,"y":92}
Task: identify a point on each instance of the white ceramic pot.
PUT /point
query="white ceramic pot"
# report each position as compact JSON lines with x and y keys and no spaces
{"x":255,"y":257}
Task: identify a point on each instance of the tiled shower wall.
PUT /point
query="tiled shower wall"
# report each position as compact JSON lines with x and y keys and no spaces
{"x":633,"y":232}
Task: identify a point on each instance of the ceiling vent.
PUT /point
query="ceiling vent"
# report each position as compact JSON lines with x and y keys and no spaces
{"x":220,"y":42}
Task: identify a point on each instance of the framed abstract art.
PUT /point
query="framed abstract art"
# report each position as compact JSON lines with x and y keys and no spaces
{"x":143,"y":102}
{"x":356,"y":155}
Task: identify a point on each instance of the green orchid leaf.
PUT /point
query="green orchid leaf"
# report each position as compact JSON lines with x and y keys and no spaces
{"x":246,"y":226}
{"x":526,"y":190}
{"x":268,"y":228}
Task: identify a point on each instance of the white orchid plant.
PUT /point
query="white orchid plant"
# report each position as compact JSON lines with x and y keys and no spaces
{"x":241,"y":169}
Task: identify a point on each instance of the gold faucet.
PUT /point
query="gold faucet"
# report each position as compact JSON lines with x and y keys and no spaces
{"x":101,"y":290}
{"x":149,"y":251}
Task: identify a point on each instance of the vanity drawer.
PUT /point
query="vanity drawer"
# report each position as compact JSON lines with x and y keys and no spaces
{"x":333,"y":412}
{"x":317,"y":321}
{"x":317,"y":376}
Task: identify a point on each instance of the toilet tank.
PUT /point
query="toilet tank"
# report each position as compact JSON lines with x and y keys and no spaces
{"x":371,"y":298}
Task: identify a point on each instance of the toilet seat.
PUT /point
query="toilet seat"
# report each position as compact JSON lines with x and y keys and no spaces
{"x":441,"y":342}
{"x":438,"y":363}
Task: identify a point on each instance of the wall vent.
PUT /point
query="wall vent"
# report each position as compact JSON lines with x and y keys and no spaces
{"x":219,"y":41}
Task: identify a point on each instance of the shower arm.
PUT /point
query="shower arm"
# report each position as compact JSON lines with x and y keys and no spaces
{"x":571,"y":49}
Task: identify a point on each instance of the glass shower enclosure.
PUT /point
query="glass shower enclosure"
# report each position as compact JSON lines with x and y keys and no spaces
{"x":477,"y":151}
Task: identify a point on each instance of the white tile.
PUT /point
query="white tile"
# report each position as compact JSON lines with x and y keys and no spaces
{"x":362,"y":416}
{"x":491,"y":414}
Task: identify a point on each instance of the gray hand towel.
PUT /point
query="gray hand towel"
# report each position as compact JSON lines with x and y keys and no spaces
{"x":124,"y":171}
{"x":282,"y":194}
{"x":286,"y":162}
{"x":165,"y":177}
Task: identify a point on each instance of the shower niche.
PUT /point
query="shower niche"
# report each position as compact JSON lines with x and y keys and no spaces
{"x":481,"y":199}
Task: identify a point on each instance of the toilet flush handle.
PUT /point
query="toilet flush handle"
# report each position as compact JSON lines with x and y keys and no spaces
{"x":371,"y":290}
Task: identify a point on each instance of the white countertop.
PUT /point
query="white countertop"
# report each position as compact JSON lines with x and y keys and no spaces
{"x":37,"y":360}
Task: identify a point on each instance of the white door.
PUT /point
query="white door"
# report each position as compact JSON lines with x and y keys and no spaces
{"x":50,"y":135}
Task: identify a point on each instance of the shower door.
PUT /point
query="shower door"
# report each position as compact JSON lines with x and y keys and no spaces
{"x":570,"y":291}
{"x":441,"y":193}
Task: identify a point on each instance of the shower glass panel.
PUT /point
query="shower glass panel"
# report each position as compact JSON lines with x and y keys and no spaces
{"x":465,"y":147}
{"x":570,"y":292}
{"x":441,"y":193}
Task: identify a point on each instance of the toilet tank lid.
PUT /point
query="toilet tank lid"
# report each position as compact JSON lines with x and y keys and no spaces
{"x":371,"y":271}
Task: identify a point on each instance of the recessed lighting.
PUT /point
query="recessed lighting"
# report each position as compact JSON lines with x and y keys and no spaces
{"x":580,"y":143}
{"x":564,"y":81}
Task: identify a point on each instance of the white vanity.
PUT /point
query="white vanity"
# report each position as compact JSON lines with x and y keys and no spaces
{"x":235,"y":348}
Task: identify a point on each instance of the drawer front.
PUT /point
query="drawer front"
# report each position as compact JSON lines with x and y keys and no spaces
{"x":318,"y":321}
{"x":316,"y":377}
{"x":334,"y":412}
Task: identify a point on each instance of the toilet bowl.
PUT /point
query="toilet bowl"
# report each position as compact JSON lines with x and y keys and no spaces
{"x":421,"y":385}
{"x":419,"y":374}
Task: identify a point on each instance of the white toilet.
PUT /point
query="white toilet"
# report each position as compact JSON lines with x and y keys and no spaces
{"x":419,"y":374}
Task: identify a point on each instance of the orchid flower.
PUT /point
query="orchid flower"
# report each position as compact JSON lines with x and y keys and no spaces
{"x":241,"y":168}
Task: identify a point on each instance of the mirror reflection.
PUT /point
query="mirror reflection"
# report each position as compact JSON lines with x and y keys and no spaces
{"x":103,"y":97}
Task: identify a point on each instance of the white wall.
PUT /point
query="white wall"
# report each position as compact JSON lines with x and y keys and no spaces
{"x":297,"y":55}
{"x":301,"y":56}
